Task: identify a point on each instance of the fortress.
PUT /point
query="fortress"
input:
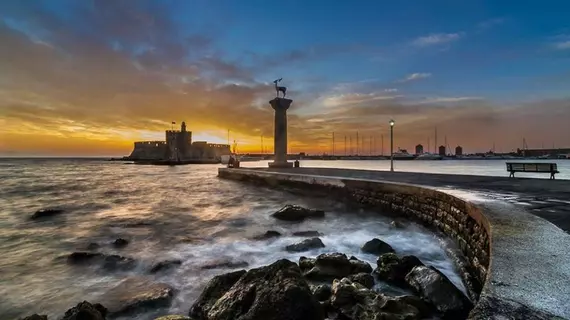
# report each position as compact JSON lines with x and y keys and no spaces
{"x":178,"y":147}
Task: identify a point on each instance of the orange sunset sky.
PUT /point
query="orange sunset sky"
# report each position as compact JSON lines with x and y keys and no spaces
{"x":89,"y":80}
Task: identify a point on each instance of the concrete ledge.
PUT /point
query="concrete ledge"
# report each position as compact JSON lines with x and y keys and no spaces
{"x":519,"y":263}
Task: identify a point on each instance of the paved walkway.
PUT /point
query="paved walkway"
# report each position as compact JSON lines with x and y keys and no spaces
{"x":548,"y":199}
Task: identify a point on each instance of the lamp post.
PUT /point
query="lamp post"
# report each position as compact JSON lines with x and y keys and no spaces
{"x":392,"y":145}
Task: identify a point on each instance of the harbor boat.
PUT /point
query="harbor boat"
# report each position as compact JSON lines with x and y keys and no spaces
{"x":402,"y":154}
{"x":429,"y":156}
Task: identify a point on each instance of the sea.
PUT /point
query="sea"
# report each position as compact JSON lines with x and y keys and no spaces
{"x":180,"y":212}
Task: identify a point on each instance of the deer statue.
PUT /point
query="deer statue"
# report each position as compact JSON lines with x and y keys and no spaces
{"x":282,"y":89}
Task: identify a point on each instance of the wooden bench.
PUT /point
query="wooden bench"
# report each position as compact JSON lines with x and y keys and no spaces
{"x":551,"y":168}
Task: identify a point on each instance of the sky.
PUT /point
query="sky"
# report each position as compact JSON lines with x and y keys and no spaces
{"x":88,"y":78}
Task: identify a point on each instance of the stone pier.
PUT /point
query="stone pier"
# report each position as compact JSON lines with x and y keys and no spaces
{"x":280,"y":105}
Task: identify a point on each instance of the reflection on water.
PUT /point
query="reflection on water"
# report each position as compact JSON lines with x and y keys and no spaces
{"x":183,"y":212}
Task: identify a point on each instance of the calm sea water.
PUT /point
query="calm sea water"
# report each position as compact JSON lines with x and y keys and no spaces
{"x":182,"y":212}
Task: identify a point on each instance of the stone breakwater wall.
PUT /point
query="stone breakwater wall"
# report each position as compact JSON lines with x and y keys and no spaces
{"x":454,"y":217}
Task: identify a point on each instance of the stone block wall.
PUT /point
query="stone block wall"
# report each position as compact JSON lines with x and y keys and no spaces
{"x":454,"y":217}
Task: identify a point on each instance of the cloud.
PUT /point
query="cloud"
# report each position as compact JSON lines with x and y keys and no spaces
{"x":391,"y":90}
{"x":435,"y":39}
{"x":487,"y":24}
{"x":415,"y":76}
{"x":435,"y":100}
{"x":563,"y":45}
{"x":353,"y":99}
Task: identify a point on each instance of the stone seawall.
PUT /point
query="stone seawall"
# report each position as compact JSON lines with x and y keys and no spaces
{"x":466,"y":223}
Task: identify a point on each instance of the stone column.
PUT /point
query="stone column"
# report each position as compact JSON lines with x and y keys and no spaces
{"x":280,"y":105}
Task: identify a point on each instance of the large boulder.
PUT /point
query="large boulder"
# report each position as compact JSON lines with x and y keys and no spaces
{"x":274,"y":292}
{"x":86,"y":311}
{"x":165,"y":265}
{"x":321,"y":292}
{"x":355,"y":302}
{"x":305,"y":245}
{"x":224,"y":263}
{"x":213,"y":291}
{"x":137,"y":294}
{"x":377,"y":247}
{"x":306,"y":263}
{"x":329,"y":266}
{"x":44,"y":213}
{"x":434,"y":287}
{"x":392,"y":268}
{"x":108,"y":262}
{"x":83,"y":257}
{"x":297,"y":213}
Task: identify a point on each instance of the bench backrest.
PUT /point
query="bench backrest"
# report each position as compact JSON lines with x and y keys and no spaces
{"x":532,"y":167}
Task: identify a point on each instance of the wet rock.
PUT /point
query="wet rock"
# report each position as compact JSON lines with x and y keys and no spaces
{"x":423,"y":307}
{"x":213,"y":291}
{"x":365,"y":279}
{"x":116,"y":262}
{"x":359,"y":266}
{"x":83,"y":257}
{"x":308,"y":233}
{"x":173,"y":317}
{"x":321,"y":292}
{"x":120,"y":243}
{"x":354,"y":301}
{"x":393,"y":269}
{"x":93,"y":246}
{"x":329,"y":266}
{"x":137,"y":294}
{"x":305,"y":245}
{"x":35,"y":316}
{"x":164,"y":265}
{"x":377,"y":247}
{"x":306,"y":263}
{"x":434,"y":287}
{"x":274,"y":292}
{"x":224,"y":263}
{"x":267,"y":235}
{"x":44,"y":213}
{"x":396,"y":225}
{"x":86,"y":311}
{"x":297,"y":213}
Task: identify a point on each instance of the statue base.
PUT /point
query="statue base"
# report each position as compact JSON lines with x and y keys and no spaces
{"x":280,"y":164}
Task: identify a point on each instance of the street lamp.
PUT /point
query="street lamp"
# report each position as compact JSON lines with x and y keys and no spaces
{"x":392,"y":145}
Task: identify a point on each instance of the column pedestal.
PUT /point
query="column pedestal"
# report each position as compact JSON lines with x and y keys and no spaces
{"x":280,"y":105}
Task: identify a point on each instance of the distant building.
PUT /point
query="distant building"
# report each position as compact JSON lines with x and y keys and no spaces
{"x":442,"y":151}
{"x":178,"y":146}
{"x":419,"y":149}
{"x":458,"y":151}
{"x":542,"y":152}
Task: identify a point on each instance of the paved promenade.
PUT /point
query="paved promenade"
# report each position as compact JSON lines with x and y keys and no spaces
{"x":548,"y":199}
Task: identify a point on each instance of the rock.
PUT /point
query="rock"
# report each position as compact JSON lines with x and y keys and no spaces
{"x":86,"y":311}
{"x":274,"y":292}
{"x":82,"y":257}
{"x":35,"y":316}
{"x":120,"y":243}
{"x":116,"y":262}
{"x":435,"y":288}
{"x":377,"y":247}
{"x":43,"y":213}
{"x":164,"y":265}
{"x":173,"y":317}
{"x":213,"y":291}
{"x":267,"y":235}
{"x":393,"y":269}
{"x":423,"y":307}
{"x":224,"y":263}
{"x":297,"y":213}
{"x":305,"y":245}
{"x":306,"y":263}
{"x":93,"y":246}
{"x":321,"y":292}
{"x":354,"y":301}
{"x":396,"y":225}
{"x":365,"y":279}
{"x":137,"y":294}
{"x":359,"y":266}
{"x":308,"y":233}
{"x":329,"y":266}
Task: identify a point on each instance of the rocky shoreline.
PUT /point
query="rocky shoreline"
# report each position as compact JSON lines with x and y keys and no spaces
{"x":328,"y":286}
